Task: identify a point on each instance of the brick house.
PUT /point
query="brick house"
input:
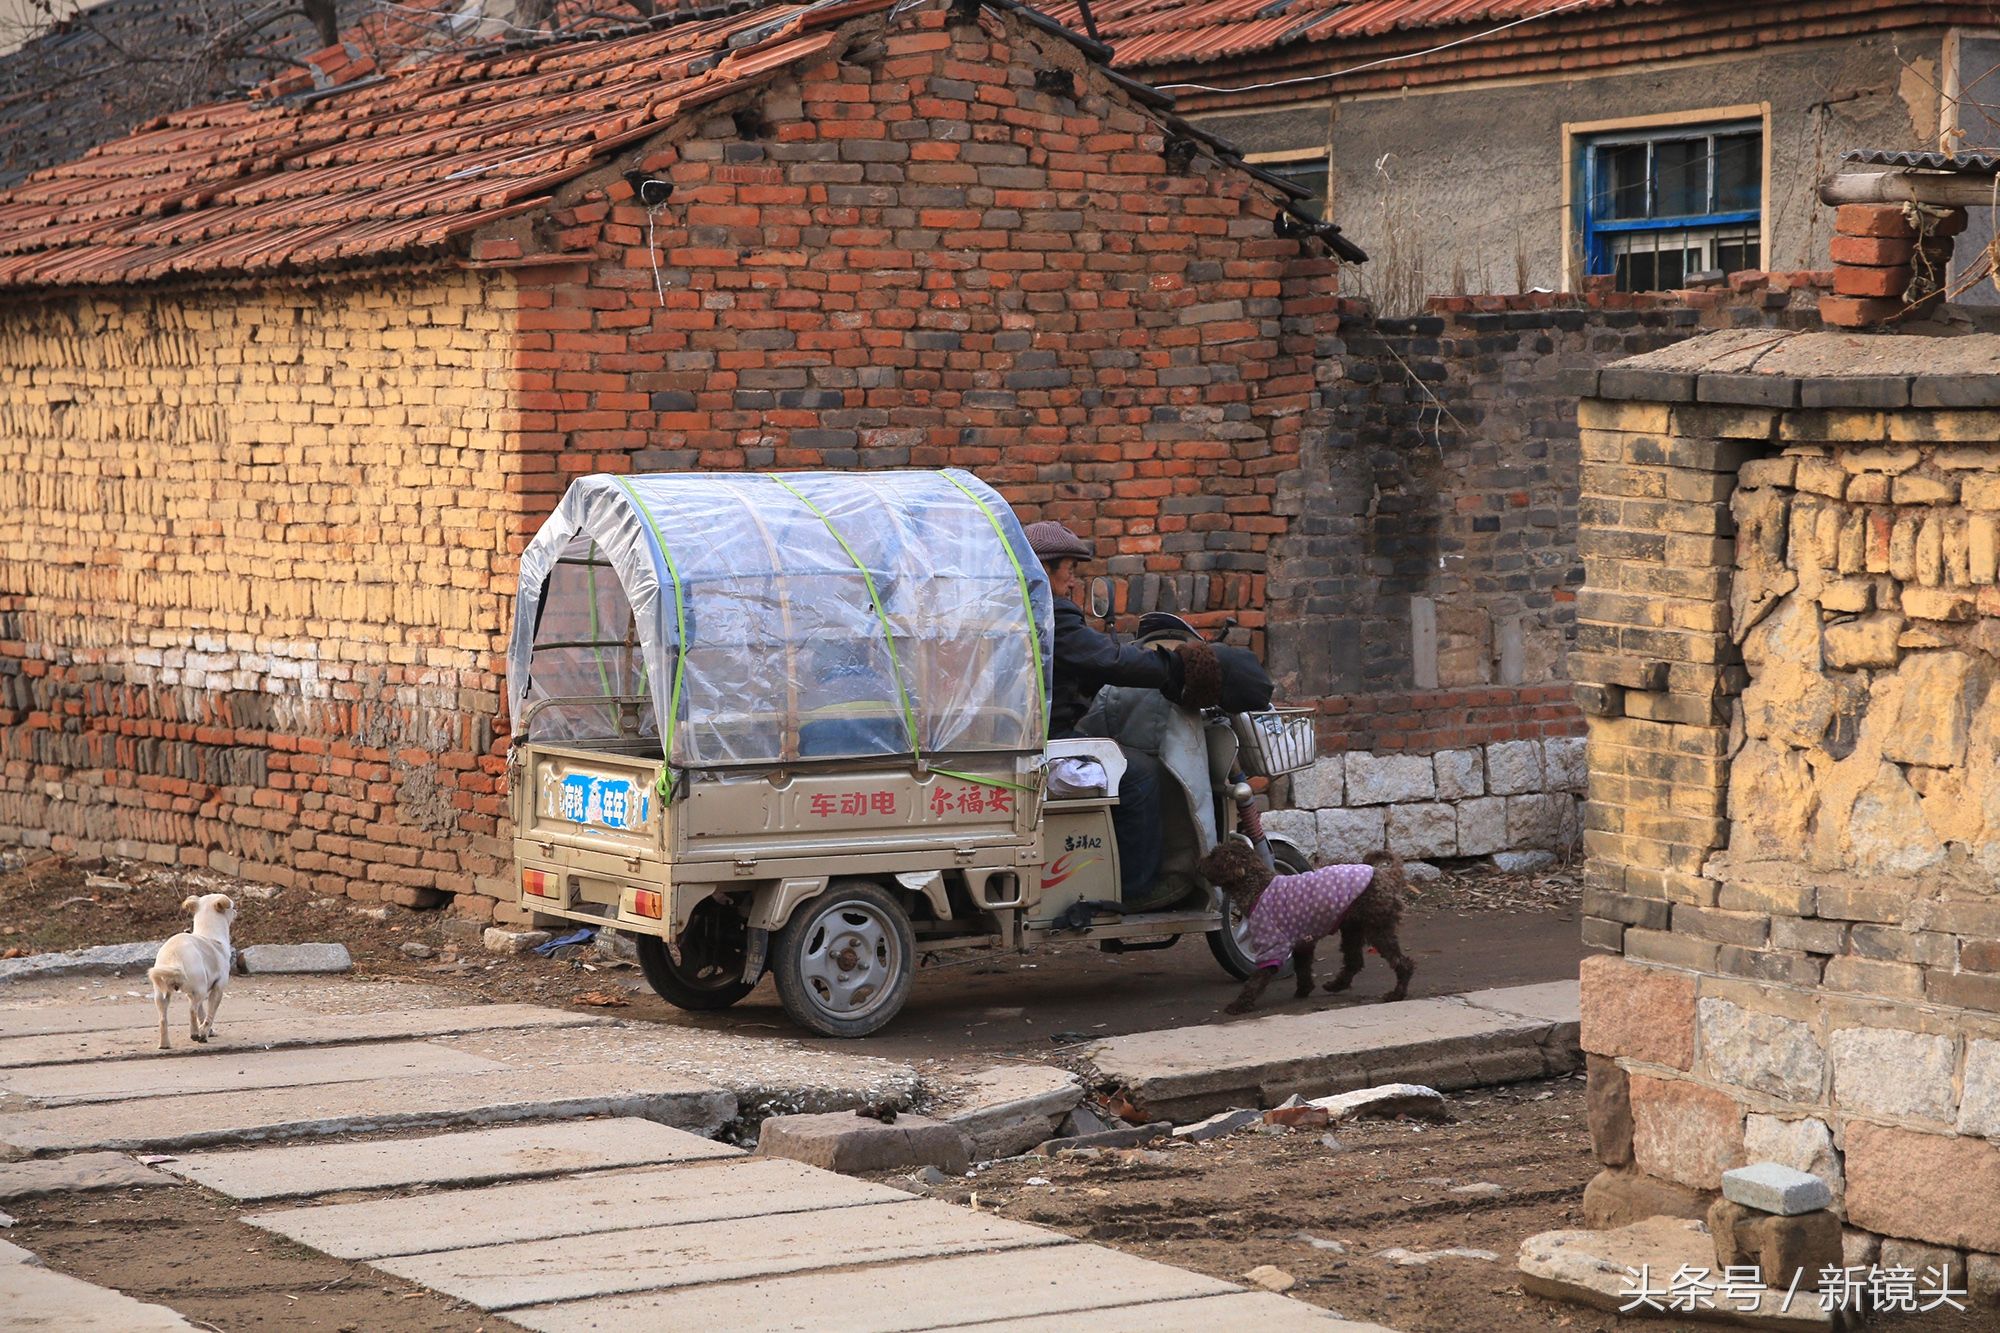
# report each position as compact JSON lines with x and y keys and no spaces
{"x":1502,"y":145}
{"x":285,"y":385}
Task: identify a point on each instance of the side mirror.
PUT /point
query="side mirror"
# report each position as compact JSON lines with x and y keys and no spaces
{"x":1100,"y":597}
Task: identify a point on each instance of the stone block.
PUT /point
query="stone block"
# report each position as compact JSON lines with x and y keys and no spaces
{"x":1459,"y":774}
{"x":1982,"y":1281}
{"x":1537,"y":820}
{"x":1347,"y":837}
{"x":1979,"y":1105}
{"x":1927,"y":708}
{"x":1620,"y":1198}
{"x":1942,"y":1188}
{"x":497,"y":940}
{"x":1865,"y":644}
{"x":1322,"y":785}
{"x":1928,"y":1262}
{"x":1608,"y":1110}
{"x":1770,"y":1187}
{"x":1883,"y":1071}
{"x":1759,"y":1051}
{"x":1563,"y":764}
{"x":1804,"y":1144}
{"x":1685,"y":1132}
{"x":1423,"y":830}
{"x":1642,"y":1013}
{"x":312,"y":958}
{"x":1386,"y":779}
{"x":849,"y":1143}
{"x":1514,"y":768}
{"x":1482,"y":825}
{"x":1218,"y":1125}
{"x":1300,"y":826}
{"x":1789,"y":1250}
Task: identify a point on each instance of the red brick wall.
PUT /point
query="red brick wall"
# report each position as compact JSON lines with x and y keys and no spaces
{"x":922,"y":256}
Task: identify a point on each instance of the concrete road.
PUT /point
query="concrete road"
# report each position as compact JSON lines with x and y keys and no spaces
{"x":1024,"y":1003}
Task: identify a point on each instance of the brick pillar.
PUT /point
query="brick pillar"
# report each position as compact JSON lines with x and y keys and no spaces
{"x":1889,"y":262}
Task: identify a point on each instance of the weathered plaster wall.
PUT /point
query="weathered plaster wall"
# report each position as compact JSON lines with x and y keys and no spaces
{"x":1462,"y":190}
{"x":255,"y":545}
{"x":1787,"y":638}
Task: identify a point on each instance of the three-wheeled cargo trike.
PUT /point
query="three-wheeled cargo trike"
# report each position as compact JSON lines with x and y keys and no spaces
{"x":797,"y":722}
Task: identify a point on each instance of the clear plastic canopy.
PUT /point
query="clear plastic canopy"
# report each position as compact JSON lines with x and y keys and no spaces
{"x":823,"y":615}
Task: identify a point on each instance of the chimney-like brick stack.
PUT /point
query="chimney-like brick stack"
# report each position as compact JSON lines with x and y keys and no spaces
{"x":1889,"y":262}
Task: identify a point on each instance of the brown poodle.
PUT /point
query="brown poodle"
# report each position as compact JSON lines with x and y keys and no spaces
{"x":1306,"y":910}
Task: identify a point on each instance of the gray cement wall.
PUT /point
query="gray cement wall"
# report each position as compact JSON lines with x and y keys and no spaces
{"x":1462,"y":190}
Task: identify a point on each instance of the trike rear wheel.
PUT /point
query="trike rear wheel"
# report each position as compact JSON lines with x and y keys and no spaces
{"x":845,"y":961}
{"x":707,"y":974}
{"x":1227,"y":944}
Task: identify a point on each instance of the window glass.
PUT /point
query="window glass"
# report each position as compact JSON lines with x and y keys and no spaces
{"x":1622,"y":173}
{"x":1680,"y":167}
{"x":1739,"y":172}
{"x":1311,"y":174}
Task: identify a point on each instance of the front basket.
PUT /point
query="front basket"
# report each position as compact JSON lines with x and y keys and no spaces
{"x":1281,"y":740}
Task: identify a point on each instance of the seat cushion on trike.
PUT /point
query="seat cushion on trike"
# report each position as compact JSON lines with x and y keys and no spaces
{"x":1097,"y":749}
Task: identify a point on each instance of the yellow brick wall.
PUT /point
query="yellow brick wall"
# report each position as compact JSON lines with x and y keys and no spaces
{"x":316,"y":468}
{"x":257,"y":544}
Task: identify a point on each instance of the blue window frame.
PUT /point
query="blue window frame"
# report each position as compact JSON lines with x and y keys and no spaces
{"x":1659,"y":205}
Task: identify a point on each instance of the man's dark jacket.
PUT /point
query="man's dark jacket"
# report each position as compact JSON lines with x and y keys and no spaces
{"x":1087,"y":660}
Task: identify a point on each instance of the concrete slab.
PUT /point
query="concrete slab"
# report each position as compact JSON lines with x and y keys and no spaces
{"x":154,"y":1124}
{"x":179,"y":1073}
{"x":267,"y":958}
{"x":502,"y":1277}
{"x":1242,"y":1312}
{"x":571,"y":1206}
{"x":120,"y":1013}
{"x":891,"y":1298}
{"x":844,"y":1141}
{"x":79,"y":1172}
{"x":295,"y":1029}
{"x":1556,"y":1002}
{"x":1011,"y":1108}
{"x":1602,"y":1268}
{"x":471,"y":1157}
{"x":33,"y":1297}
{"x":101,"y":960}
{"x":1185,"y":1074}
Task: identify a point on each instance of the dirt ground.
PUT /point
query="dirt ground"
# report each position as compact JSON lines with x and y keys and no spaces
{"x":183,"y":1247}
{"x":1326,"y":1214}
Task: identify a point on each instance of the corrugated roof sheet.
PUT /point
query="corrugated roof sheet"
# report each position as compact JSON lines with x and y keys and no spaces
{"x":1178,"y":32}
{"x":404,"y":161}
{"x":1965,"y":164}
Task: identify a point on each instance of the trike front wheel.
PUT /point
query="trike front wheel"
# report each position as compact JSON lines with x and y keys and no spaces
{"x":1228,"y":945}
{"x":845,"y":961}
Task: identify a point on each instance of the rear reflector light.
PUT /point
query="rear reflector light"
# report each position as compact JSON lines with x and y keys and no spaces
{"x":538,"y":882}
{"x":646,"y":902}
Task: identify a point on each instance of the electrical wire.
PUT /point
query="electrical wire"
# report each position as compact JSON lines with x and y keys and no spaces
{"x":1386,"y":60}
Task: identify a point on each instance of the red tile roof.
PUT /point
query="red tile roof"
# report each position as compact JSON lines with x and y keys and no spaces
{"x":1182,"y":32}
{"x":384,"y":166}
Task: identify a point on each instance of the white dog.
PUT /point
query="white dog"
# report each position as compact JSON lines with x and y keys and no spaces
{"x":196,"y":961}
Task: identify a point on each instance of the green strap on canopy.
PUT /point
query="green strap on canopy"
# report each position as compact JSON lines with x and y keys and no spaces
{"x":665,"y":785}
{"x":881,"y":615}
{"x":1027,"y":603}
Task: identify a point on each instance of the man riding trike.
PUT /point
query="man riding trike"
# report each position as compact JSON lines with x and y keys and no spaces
{"x":826,"y":724}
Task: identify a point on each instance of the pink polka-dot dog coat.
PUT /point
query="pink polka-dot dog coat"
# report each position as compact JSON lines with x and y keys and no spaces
{"x":1297,"y":909}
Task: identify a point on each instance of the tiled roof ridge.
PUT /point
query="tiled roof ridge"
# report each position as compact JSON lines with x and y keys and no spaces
{"x":424,"y":155}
